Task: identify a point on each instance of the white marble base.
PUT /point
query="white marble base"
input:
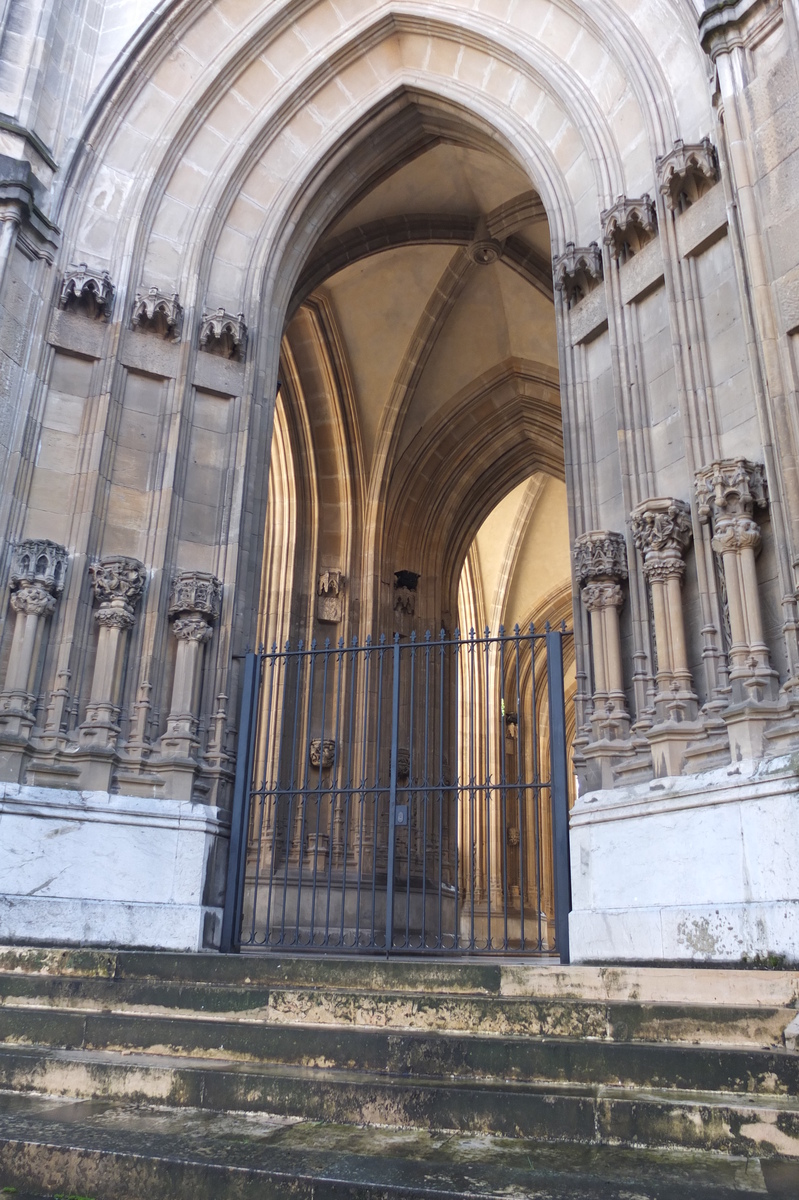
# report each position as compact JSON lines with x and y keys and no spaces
{"x":701,"y":868}
{"x":91,"y":868}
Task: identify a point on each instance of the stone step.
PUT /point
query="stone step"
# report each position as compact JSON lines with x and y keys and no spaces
{"x":455,"y":1054}
{"x":589,"y":1114}
{"x":708,"y":1024}
{"x":122,"y":1152}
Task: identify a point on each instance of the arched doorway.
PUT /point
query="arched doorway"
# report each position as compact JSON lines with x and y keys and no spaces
{"x":418,"y":412}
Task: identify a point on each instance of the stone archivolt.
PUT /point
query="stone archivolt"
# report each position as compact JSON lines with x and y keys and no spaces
{"x":686,"y":172}
{"x":577,"y":271}
{"x":89,"y":290}
{"x":628,"y":225}
{"x":159,"y":312}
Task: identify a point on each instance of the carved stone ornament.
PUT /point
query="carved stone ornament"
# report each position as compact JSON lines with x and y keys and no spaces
{"x":39,"y":561}
{"x":222,"y":333}
{"x":403,"y":763}
{"x":662,"y":532}
{"x":192,"y":627}
{"x":322,"y":753}
{"x":196,"y":592}
{"x":155,"y":310}
{"x":600,"y":554}
{"x":405,"y":584}
{"x":116,"y":615}
{"x":687,"y":172}
{"x":602,"y":595}
{"x":33,"y":600}
{"x":117,"y":577}
{"x":330,"y":600}
{"x":628,"y":225}
{"x":578,"y":271}
{"x":730,"y":487}
{"x":485,"y":251}
{"x":88,"y":290}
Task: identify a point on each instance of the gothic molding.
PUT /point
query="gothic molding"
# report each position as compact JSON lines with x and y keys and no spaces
{"x":599,"y":554}
{"x":577,"y":271}
{"x":87,"y":290}
{"x":686,"y":172}
{"x":157,"y":311}
{"x":222,"y":333}
{"x":628,"y":225}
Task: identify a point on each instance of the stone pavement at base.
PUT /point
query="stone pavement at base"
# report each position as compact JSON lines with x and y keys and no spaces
{"x":117,"y":1151}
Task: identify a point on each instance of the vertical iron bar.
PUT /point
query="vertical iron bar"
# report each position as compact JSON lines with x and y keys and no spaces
{"x":392,"y":798}
{"x":559,"y":793}
{"x":239,"y":818}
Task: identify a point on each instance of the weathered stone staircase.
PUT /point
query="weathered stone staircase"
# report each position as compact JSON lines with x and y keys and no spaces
{"x":129,"y":1075}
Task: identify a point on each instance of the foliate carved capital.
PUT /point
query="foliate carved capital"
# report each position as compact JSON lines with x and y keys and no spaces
{"x":33,"y":600}
{"x":196,"y":592}
{"x":661,"y":565}
{"x":602,"y":595}
{"x":661,"y":526}
{"x":731,"y":487}
{"x":118,"y":577}
{"x":116,"y":615}
{"x":222,"y":333}
{"x":578,"y":271}
{"x":193,"y":627}
{"x":735,"y":533}
{"x":87,"y":289}
{"x":628,"y":225}
{"x":686,"y":172}
{"x":159,"y":312}
{"x":600,"y":554}
{"x":39,"y":561}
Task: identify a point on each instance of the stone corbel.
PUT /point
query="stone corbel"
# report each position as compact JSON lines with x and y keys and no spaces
{"x":686,"y":172}
{"x":87,"y":290}
{"x":729,"y":492}
{"x":38,"y":568}
{"x":194,"y":610}
{"x":157,"y":311}
{"x":577,"y":272}
{"x":117,"y":584}
{"x":662,"y":532}
{"x":628,"y":225}
{"x":221,"y":333}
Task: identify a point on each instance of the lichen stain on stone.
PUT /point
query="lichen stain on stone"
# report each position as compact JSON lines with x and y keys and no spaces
{"x":697,"y":935}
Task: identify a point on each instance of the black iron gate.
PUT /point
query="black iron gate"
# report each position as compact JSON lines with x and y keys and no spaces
{"x":405,"y":796}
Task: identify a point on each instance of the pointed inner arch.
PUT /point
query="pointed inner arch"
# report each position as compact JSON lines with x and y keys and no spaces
{"x":419,"y":403}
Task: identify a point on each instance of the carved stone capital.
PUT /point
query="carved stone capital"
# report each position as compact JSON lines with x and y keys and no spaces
{"x":115,"y":615}
{"x":196,"y":592}
{"x":37,"y":560}
{"x":602,"y":595}
{"x":686,"y":172}
{"x":158,"y":311}
{"x":193,"y":627}
{"x":87,"y":290}
{"x":600,"y":554}
{"x":322,"y":753}
{"x":117,"y":577}
{"x":735,"y":533}
{"x":577,"y":271}
{"x":662,"y":565}
{"x":731,"y":487}
{"x":222,"y":333}
{"x":628,"y":225}
{"x":33,"y":600}
{"x":661,"y":526}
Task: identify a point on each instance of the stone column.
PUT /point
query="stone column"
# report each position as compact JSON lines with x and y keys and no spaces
{"x":194,"y":608}
{"x":600,"y":562}
{"x":117,"y":583}
{"x":37,"y":574}
{"x":662,"y":533}
{"x":728,"y":492}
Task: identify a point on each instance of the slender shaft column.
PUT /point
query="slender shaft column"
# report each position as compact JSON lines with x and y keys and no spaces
{"x":662,"y":533}
{"x":600,"y":561}
{"x":194,"y":607}
{"x":37,"y":580}
{"x":117,"y":583}
{"x":729,"y":492}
